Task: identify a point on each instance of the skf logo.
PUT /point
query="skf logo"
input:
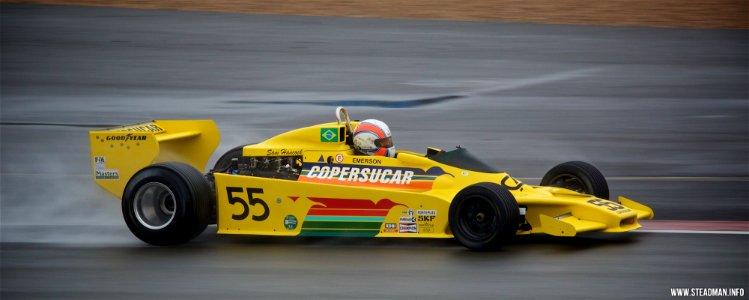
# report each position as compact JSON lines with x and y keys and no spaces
{"x":426,"y":218}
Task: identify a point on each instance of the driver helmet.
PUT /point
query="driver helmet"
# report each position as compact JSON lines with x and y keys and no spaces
{"x":372,"y":137}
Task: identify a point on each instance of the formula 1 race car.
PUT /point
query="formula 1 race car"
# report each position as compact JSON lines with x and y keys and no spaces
{"x":312,"y":182}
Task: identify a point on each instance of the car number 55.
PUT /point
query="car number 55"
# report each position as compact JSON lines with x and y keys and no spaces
{"x":230,"y":191}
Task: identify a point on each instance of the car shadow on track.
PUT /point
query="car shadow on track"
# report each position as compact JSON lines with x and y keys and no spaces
{"x":579,"y":243}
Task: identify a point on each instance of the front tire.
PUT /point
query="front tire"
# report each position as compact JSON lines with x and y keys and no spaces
{"x":167,"y":203}
{"x":578,"y":176}
{"x":484,"y":216}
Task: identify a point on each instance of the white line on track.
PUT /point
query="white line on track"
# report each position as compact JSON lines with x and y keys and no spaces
{"x":45,"y":174}
{"x":716,"y":178}
{"x":666,"y":178}
{"x":520,"y":83}
{"x":694,"y":232}
{"x":497,"y":85}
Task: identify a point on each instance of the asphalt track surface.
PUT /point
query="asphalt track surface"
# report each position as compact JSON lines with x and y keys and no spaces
{"x":662,"y":112}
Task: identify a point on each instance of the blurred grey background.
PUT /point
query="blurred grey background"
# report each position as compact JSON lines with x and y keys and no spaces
{"x":662,"y":112}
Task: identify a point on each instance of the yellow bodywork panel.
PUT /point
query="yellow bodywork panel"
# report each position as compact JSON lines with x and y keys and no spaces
{"x":643,"y":212}
{"x":556,"y":227}
{"x":568,"y":226}
{"x":118,"y":153}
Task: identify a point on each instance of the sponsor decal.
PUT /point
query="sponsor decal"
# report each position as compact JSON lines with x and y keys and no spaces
{"x":145,"y":127}
{"x":290,"y":222}
{"x":391,"y":227}
{"x":101,"y":171}
{"x":379,"y":175}
{"x":126,"y":138}
{"x":347,"y":217}
{"x":426,"y":212}
{"x":407,"y":222}
{"x":426,"y":227}
{"x":329,"y":135}
{"x":426,"y":215}
{"x":357,"y":175}
{"x":408,"y":228}
{"x":368,"y":161}
{"x":426,"y":218}
{"x":108,"y":174}
{"x":339,"y":158}
{"x":100,"y":162}
{"x":283,"y":152}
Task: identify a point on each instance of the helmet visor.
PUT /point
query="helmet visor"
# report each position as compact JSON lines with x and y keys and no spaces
{"x":384,"y":142}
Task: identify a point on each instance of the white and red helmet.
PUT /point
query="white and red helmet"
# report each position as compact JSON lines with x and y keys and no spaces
{"x":373,"y":137}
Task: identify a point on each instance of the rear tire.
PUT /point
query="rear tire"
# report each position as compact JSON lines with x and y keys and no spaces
{"x":167,"y":203}
{"x":578,"y":176}
{"x":224,"y":162}
{"x":484,"y":216}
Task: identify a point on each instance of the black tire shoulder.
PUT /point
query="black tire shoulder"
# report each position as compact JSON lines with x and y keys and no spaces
{"x":594,"y":181}
{"x":495,"y":232}
{"x":224,"y":161}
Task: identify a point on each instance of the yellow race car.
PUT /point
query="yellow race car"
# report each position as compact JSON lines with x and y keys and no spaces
{"x":311,"y":182}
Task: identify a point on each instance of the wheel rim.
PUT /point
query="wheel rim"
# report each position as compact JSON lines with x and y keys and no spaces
{"x":570,"y":182}
{"x":154,"y":205}
{"x":477,"y":218}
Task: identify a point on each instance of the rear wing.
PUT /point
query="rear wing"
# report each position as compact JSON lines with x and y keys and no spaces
{"x":118,"y":153}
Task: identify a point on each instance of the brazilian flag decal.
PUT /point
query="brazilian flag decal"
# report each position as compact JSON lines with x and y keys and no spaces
{"x":329,"y":135}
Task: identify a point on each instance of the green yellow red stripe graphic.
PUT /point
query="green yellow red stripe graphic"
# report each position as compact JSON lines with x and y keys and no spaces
{"x":346,"y":217}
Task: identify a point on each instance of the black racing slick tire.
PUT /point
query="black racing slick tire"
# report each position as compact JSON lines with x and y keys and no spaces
{"x":484,"y":216}
{"x":578,"y":176}
{"x":167,"y":203}
{"x":224,"y":162}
